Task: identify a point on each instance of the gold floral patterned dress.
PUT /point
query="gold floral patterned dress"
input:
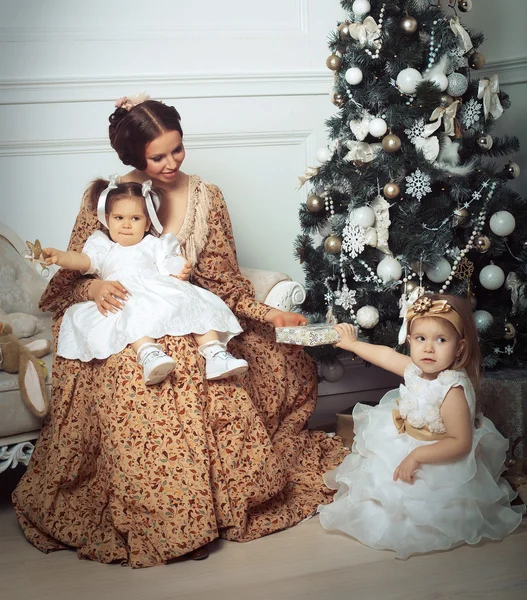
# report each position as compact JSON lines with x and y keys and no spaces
{"x":143,"y":474}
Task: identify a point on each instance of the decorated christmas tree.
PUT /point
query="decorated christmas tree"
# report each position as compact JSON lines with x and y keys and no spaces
{"x":412,"y":193}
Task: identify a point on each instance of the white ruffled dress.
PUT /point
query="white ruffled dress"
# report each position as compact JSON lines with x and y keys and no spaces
{"x":158,"y":305}
{"x":448,"y":504}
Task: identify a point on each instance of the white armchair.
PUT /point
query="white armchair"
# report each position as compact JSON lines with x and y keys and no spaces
{"x":22,"y":283}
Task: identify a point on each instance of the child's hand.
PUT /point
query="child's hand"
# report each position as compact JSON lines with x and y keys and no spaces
{"x":348,"y":335}
{"x":405,"y":471}
{"x":51,"y":256}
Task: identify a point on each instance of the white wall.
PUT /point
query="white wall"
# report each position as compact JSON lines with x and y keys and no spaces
{"x":249,"y":80}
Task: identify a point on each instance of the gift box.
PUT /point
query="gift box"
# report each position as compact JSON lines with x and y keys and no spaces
{"x":308,"y":335}
{"x":503,"y":399}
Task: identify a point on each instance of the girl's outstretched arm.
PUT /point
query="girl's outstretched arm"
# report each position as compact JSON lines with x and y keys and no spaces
{"x":457,"y":443}
{"x":75,"y":261}
{"x":380,"y":356}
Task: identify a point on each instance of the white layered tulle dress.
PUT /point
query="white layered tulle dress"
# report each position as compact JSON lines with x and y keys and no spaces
{"x":158,"y":305}
{"x":448,"y":504}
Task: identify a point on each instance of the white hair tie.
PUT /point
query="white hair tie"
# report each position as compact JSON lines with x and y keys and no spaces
{"x":101,"y":204}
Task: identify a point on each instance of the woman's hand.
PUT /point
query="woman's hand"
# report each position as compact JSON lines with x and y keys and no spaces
{"x":280,"y":318}
{"x":185,"y":272}
{"x":405,"y":471}
{"x":108,"y":295}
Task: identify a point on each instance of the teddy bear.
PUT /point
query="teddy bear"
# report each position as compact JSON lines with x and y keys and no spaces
{"x":16,"y":357}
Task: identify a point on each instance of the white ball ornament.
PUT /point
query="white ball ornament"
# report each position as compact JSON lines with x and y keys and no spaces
{"x":323,"y":154}
{"x":408,"y":80}
{"x":502,"y":223}
{"x":438,"y":272}
{"x":361,"y":7}
{"x":483,"y":320}
{"x":491,"y":277}
{"x":389,"y":269}
{"x":377,"y":127}
{"x":440,"y":80}
{"x":367,"y":317}
{"x":333,"y":371}
{"x":363,"y":216}
{"x":353,"y":75}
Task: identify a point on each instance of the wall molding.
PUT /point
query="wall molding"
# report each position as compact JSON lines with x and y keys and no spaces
{"x":205,"y":85}
{"x":192,"y":141}
{"x":179,"y":29}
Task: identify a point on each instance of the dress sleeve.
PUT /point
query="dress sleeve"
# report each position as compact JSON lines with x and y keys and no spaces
{"x":97,"y":248}
{"x":217,"y":267}
{"x":69,"y":287}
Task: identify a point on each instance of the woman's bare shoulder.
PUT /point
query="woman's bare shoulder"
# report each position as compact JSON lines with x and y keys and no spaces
{"x":134,"y":176}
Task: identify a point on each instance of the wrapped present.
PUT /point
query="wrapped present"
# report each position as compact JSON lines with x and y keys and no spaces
{"x":308,"y":335}
{"x":345,"y":429}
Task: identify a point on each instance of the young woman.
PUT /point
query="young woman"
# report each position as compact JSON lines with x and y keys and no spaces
{"x":143,"y":475}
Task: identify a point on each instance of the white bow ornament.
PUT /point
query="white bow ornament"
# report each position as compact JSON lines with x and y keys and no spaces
{"x":488,"y":89}
{"x":366,"y":32}
{"x":309,"y":172}
{"x":446,"y":115}
{"x":459,"y":30}
{"x":361,"y":151}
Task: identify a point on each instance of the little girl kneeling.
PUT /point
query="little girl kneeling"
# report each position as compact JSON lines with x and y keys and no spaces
{"x":157,"y":302}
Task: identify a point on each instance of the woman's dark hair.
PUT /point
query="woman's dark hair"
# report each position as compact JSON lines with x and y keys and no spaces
{"x":129,"y":189}
{"x":131,"y":130}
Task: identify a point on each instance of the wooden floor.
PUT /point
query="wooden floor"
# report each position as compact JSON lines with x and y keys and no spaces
{"x":305,"y":562}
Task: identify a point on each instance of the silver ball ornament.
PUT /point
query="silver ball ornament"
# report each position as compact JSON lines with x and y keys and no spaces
{"x":510,"y":331}
{"x":512,"y":170}
{"x":483,"y":319}
{"x":484,"y":141}
{"x":457,"y":84}
{"x":391,"y":143}
{"x":409,"y":25}
{"x":332,"y":372}
{"x":367,"y":317}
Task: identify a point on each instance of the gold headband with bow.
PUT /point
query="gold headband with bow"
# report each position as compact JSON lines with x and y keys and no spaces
{"x":425,"y":307}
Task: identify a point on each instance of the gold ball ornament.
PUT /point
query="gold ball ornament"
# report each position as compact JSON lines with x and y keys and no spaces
{"x":334,"y":62}
{"x":344,"y":31}
{"x":391,"y":190}
{"x":510,"y":331}
{"x":391,"y":143}
{"x":446,"y":100}
{"x":464,"y":5}
{"x":333,"y":244}
{"x":482,"y":244}
{"x":409,"y":286}
{"x":477,"y":60}
{"x":461,"y":217}
{"x":338,"y":100}
{"x":314,"y":203}
{"x":472,"y":300}
{"x":409,"y":25}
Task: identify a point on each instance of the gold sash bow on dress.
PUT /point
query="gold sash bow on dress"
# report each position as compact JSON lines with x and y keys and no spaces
{"x":423,"y":434}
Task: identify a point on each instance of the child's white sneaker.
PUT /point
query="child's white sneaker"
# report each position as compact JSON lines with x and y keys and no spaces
{"x":156,"y":364}
{"x":220,"y":363}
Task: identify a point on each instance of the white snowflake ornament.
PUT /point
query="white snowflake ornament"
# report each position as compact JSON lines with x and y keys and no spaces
{"x":470,"y":112}
{"x":418,"y":184}
{"x":345,"y":298}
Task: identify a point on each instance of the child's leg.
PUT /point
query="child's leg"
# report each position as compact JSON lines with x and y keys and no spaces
{"x":156,"y":364}
{"x":218,"y":362}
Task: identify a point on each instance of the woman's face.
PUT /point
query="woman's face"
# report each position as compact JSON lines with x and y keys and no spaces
{"x":164,"y":157}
